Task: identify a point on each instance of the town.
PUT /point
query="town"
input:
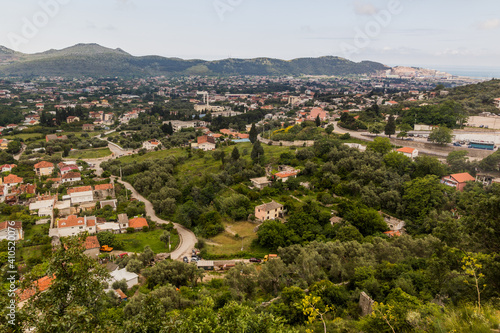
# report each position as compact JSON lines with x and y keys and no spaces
{"x":230,"y":179}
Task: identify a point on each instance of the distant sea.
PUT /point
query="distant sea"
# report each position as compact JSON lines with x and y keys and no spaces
{"x":470,"y":71}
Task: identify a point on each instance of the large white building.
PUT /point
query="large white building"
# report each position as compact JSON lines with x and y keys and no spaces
{"x":122,"y":274}
{"x":44,"y":207}
{"x":74,"y":225}
{"x":81,"y":194}
{"x":178,"y":125}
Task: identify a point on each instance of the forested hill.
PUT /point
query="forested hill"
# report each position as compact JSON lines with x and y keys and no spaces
{"x":476,"y":98}
{"x":97,"y":61}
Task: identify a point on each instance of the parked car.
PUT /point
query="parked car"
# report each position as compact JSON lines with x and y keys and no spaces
{"x":255,"y":260}
{"x":186,"y":260}
{"x":457,"y":144}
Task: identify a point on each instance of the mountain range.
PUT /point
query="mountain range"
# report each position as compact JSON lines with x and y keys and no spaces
{"x":97,"y":61}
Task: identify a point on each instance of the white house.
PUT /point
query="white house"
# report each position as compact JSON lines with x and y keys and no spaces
{"x":497,"y":102}
{"x":122,"y":274}
{"x":408,"y":152}
{"x":81,"y":194}
{"x":112,"y":227}
{"x":74,"y":225}
{"x":70,"y":177}
{"x":44,"y":207}
{"x":206,"y":143}
{"x":285,"y":175}
{"x":151,"y":144}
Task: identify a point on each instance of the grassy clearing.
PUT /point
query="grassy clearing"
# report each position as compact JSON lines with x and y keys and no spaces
{"x":26,"y":136}
{"x":138,"y":240}
{"x":229,"y":244}
{"x":40,"y":229}
{"x":90,"y":153}
{"x":155,"y":155}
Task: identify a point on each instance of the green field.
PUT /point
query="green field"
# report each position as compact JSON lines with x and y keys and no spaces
{"x":138,"y":240}
{"x":228,"y":244}
{"x":26,"y":136}
{"x":41,"y":229}
{"x":89,"y":153}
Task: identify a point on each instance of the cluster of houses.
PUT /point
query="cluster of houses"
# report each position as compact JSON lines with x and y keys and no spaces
{"x":13,"y":186}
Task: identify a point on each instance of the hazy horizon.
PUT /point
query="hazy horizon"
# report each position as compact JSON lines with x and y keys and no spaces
{"x":420,"y":34}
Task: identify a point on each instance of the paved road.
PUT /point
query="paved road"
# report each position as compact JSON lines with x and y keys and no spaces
{"x":186,"y":236}
{"x":362,"y":136}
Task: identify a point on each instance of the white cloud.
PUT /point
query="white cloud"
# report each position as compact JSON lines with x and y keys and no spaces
{"x":363,"y":8}
{"x":489,"y":24}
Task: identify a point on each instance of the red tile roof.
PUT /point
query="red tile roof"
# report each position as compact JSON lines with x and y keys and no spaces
{"x":285,"y":174}
{"x":91,"y":243}
{"x":44,"y":164}
{"x":73,"y":221}
{"x":205,"y":138}
{"x":17,"y":225}
{"x":12,"y":179}
{"x":102,"y":187}
{"x":406,"y":150}
{"x":71,"y":175}
{"x":41,"y":284}
{"x":393,"y":233}
{"x":79,"y":189}
{"x":138,"y":222}
{"x":121,"y":294}
{"x":463,"y":177}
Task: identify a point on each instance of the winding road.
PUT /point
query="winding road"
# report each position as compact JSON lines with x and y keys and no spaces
{"x":187,"y":237}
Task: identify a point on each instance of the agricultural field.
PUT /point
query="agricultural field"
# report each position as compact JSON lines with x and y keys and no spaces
{"x":136,"y":241}
{"x":89,"y":153}
{"x":237,"y":237}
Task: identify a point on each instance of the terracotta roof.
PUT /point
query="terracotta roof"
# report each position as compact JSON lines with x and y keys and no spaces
{"x":79,"y":189}
{"x":393,"y":233}
{"x":17,"y":225}
{"x":406,"y":150}
{"x":91,"y":221}
{"x":71,"y":221}
{"x":12,"y":179}
{"x":91,"y":243}
{"x":44,"y":164}
{"x":71,"y":175}
{"x":41,"y":284}
{"x":102,"y":187}
{"x":205,"y":138}
{"x":121,"y":294}
{"x":138,"y":222}
{"x":285,"y":174}
{"x":463,"y":177}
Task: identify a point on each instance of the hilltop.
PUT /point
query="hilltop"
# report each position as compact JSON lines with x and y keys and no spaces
{"x":96,"y":60}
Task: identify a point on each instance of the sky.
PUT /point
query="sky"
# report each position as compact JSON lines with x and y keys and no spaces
{"x":394,"y":32}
